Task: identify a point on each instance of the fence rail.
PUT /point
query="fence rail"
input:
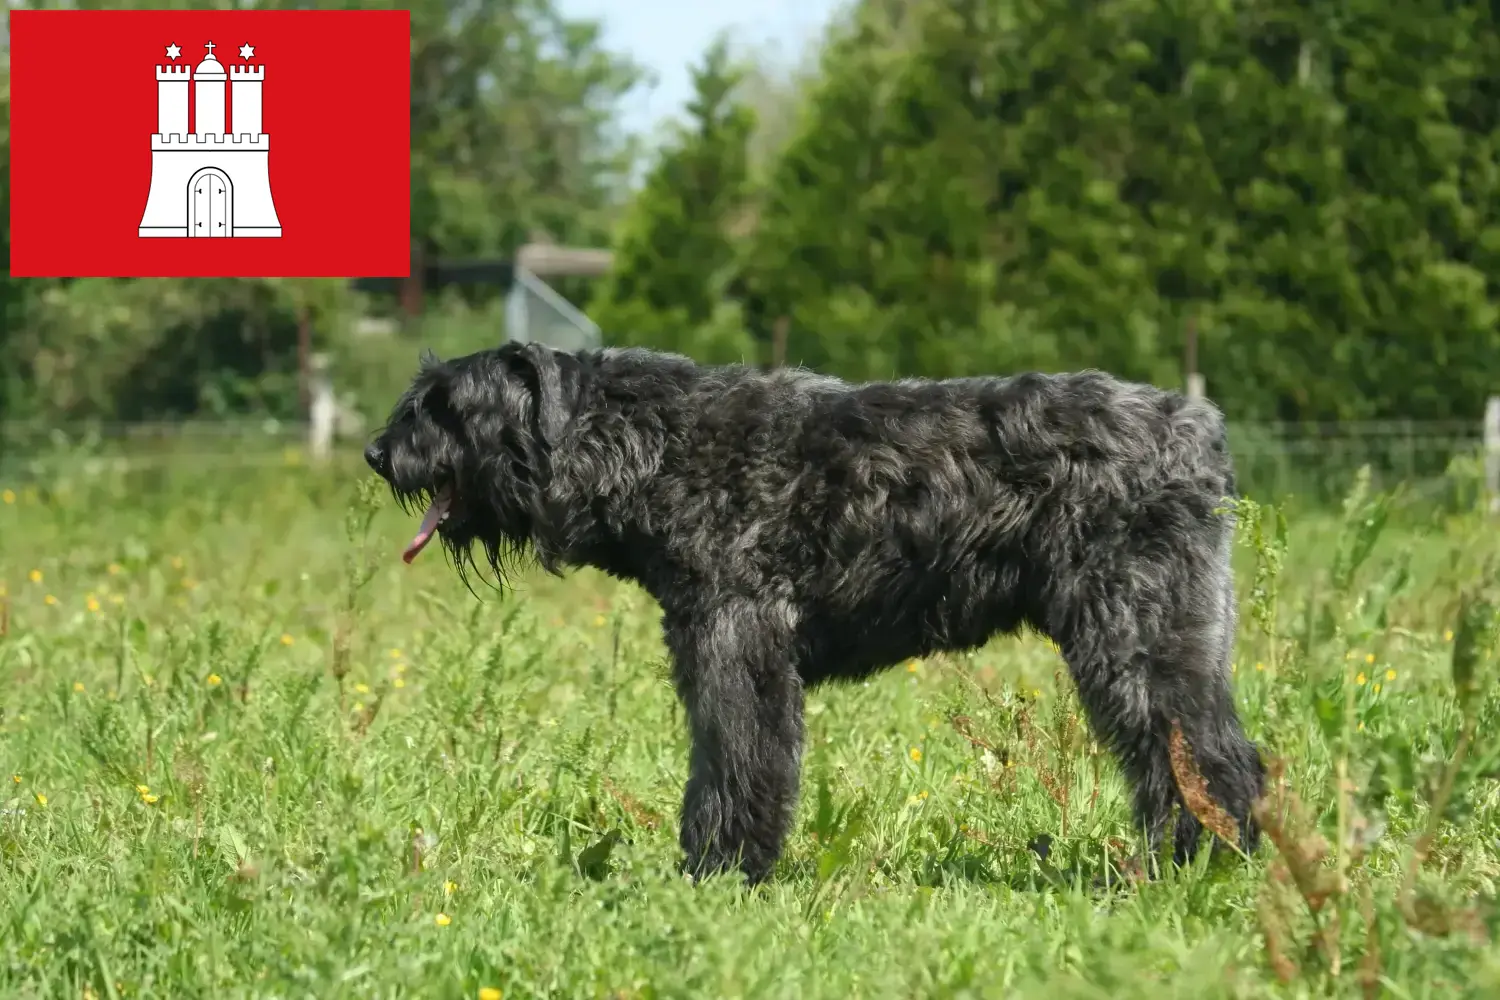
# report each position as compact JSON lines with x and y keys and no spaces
{"x":1315,"y":461}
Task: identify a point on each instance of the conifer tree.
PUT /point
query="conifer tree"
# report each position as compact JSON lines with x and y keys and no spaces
{"x":674,"y":258}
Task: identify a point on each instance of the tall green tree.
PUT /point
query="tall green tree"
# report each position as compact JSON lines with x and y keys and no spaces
{"x":514,"y":129}
{"x":813,"y":258}
{"x":985,"y":185}
{"x":674,"y":253}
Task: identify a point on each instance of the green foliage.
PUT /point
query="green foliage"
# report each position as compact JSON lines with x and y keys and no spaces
{"x":673,"y":254}
{"x":990,"y":185}
{"x":512,"y":127}
{"x":114,"y":349}
{"x":963,"y":187}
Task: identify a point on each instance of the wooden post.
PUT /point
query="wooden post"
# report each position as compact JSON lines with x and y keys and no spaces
{"x":1192,"y":378}
{"x":1492,"y":452}
{"x":323,"y":412}
{"x":778,"y":341}
{"x":411,"y":286}
{"x":304,"y":349}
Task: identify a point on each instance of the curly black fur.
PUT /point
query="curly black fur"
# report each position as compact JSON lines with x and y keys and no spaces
{"x":797,"y":529}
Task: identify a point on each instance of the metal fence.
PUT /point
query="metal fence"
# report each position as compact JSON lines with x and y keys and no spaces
{"x":1316,"y":462}
{"x":536,"y":313}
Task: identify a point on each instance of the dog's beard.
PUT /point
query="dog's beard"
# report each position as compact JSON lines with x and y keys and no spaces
{"x":437,"y":513}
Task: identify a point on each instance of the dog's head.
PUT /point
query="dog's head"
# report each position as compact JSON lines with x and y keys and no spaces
{"x":471,"y":443}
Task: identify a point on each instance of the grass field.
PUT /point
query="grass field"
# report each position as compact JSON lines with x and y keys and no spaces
{"x":247,"y":752}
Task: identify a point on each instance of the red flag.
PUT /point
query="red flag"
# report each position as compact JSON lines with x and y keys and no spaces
{"x":284,"y":137}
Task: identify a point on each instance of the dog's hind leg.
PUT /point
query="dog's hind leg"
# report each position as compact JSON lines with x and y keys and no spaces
{"x":734,"y":673}
{"x":1148,"y":643}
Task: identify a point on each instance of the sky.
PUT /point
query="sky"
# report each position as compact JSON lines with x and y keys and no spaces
{"x":667,"y":36}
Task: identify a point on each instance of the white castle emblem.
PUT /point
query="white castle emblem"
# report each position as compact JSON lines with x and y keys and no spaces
{"x":210,"y":182}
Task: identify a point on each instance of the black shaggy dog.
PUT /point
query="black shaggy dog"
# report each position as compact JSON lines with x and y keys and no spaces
{"x":797,"y":529}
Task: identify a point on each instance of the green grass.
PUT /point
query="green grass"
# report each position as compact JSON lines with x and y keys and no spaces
{"x":256,"y":755}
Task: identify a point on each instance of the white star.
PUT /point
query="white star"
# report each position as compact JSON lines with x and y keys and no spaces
{"x":173,"y":51}
{"x":247,"y":50}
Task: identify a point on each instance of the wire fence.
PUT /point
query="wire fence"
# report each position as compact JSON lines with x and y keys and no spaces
{"x":1315,"y":462}
{"x":536,"y":313}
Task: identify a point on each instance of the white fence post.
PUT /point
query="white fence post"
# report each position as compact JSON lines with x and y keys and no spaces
{"x":1492,"y":452}
{"x":322,"y":411}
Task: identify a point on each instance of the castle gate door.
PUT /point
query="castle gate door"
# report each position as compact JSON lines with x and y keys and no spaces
{"x":210,"y":204}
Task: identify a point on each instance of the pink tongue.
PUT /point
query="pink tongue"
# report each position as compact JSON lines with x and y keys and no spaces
{"x":435,"y":512}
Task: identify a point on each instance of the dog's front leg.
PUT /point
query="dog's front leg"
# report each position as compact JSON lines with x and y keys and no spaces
{"x":743,"y":697}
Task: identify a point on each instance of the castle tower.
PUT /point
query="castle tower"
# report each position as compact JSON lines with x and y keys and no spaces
{"x":172,"y":99}
{"x":245,"y":83}
{"x":208,"y":95}
{"x":210,"y":182}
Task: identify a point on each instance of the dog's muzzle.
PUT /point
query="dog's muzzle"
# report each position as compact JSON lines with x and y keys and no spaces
{"x":379,"y":460}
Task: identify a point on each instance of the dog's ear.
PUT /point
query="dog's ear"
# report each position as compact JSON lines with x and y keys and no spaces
{"x":553,"y":389}
{"x":436,"y":396}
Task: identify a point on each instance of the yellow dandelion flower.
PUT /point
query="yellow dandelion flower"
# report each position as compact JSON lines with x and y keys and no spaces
{"x":35,"y":576}
{"x":599,"y":621}
{"x":395,"y":653}
{"x":9,"y":496}
{"x":1036,"y":693}
{"x":359,"y":706}
{"x":399,"y":682}
{"x":362,"y":688}
{"x":912,"y":666}
{"x":49,"y":600}
{"x":149,"y":799}
{"x":1260,"y":667}
{"x":915,"y":753}
{"x":286,"y":639}
{"x":1390,"y":675}
{"x":214,"y":680}
{"x":93,"y":603}
{"x":442,"y":920}
{"x":78,"y":686}
{"x":15,"y":779}
{"x":1360,"y":678}
{"x":1361,"y":727}
{"x":1448,"y":635}
{"x":1376,"y":688}
{"x":143,"y":789}
{"x":922,"y":794}
{"x":115,"y":569}
{"x":449,"y":888}
{"x":1369,"y":657}
{"x":490,"y":993}
{"x":41,"y":800}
